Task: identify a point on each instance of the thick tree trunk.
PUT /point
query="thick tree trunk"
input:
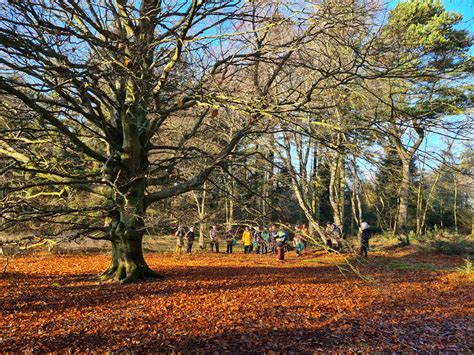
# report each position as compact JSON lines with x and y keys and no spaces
{"x":128,"y":263}
{"x":403,"y":203}
{"x":441,"y":213}
{"x":405,"y":155}
{"x":419,"y":198}
{"x":342,"y":189}
{"x":202,"y":229}
{"x":419,"y":205}
{"x":126,"y":222}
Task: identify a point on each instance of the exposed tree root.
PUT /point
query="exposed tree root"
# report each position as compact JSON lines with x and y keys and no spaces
{"x":119,"y":273}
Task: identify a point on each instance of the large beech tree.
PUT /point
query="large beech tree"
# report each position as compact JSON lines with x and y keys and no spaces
{"x":105,"y":104}
{"x":112,"y":79}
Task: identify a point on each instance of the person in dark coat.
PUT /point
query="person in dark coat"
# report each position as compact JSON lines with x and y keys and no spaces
{"x":272,"y":239}
{"x":328,"y":234}
{"x":230,"y":240}
{"x":190,"y":240}
{"x":257,"y":240}
{"x":364,"y":239}
{"x":281,"y":241}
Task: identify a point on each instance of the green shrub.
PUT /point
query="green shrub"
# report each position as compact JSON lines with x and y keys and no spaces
{"x":452,"y":247}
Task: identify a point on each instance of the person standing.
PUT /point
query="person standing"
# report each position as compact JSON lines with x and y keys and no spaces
{"x":273,"y":237}
{"x":336,"y":236}
{"x":328,"y":234}
{"x":280,"y":244}
{"x":230,"y":240}
{"x":190,"y":240}
{"x":214,"y":239}
{"x":281,"y":234}
{"x":265,"y":240}
{"x":364,"y":239}
{"x":257,"y":240}
{"x":280,"y":249}
{"x":247,"y":240}
{"x":180,"y":233}
{"x":252,"y":233}
{"x":298,"y":243}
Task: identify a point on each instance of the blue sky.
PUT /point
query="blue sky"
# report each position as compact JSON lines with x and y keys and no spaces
{"x":466,"y":8}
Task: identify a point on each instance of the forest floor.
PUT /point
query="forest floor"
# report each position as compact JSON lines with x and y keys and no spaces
{"x":410,"y":301}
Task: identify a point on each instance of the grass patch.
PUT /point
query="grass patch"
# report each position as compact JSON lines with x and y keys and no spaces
{"x":397,"y":264}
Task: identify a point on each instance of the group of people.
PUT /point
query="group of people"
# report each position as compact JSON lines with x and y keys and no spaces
{"x":181,"y":236}
{"x":334,"y":239}
{"x":258,"y":240}
{"x":262,"y":240}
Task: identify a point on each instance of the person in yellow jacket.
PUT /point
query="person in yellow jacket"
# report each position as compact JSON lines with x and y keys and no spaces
{"x":247,"y":240}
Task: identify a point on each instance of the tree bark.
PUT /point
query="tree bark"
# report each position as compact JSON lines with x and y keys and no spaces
{"x":300,"y":189}
{"x":229,"y":202}
{"x":337,"y":187}
{"x":455,"y":203}
{"x":419,"y":198}
{"x":355,"y":198}
{"x":128,"y":262}
{"x":428,"y":202}
{"x":315,"y":182}
{"x":126,"y":221}
{"x":403,"y":204}
{"x":201,"y":212}
{"x":406,"y":155}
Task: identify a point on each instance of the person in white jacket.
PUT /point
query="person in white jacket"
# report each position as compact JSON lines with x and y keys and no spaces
{"x":214,"y":238}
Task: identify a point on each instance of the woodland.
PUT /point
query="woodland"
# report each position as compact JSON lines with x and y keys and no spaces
{"x":121,"y":120}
